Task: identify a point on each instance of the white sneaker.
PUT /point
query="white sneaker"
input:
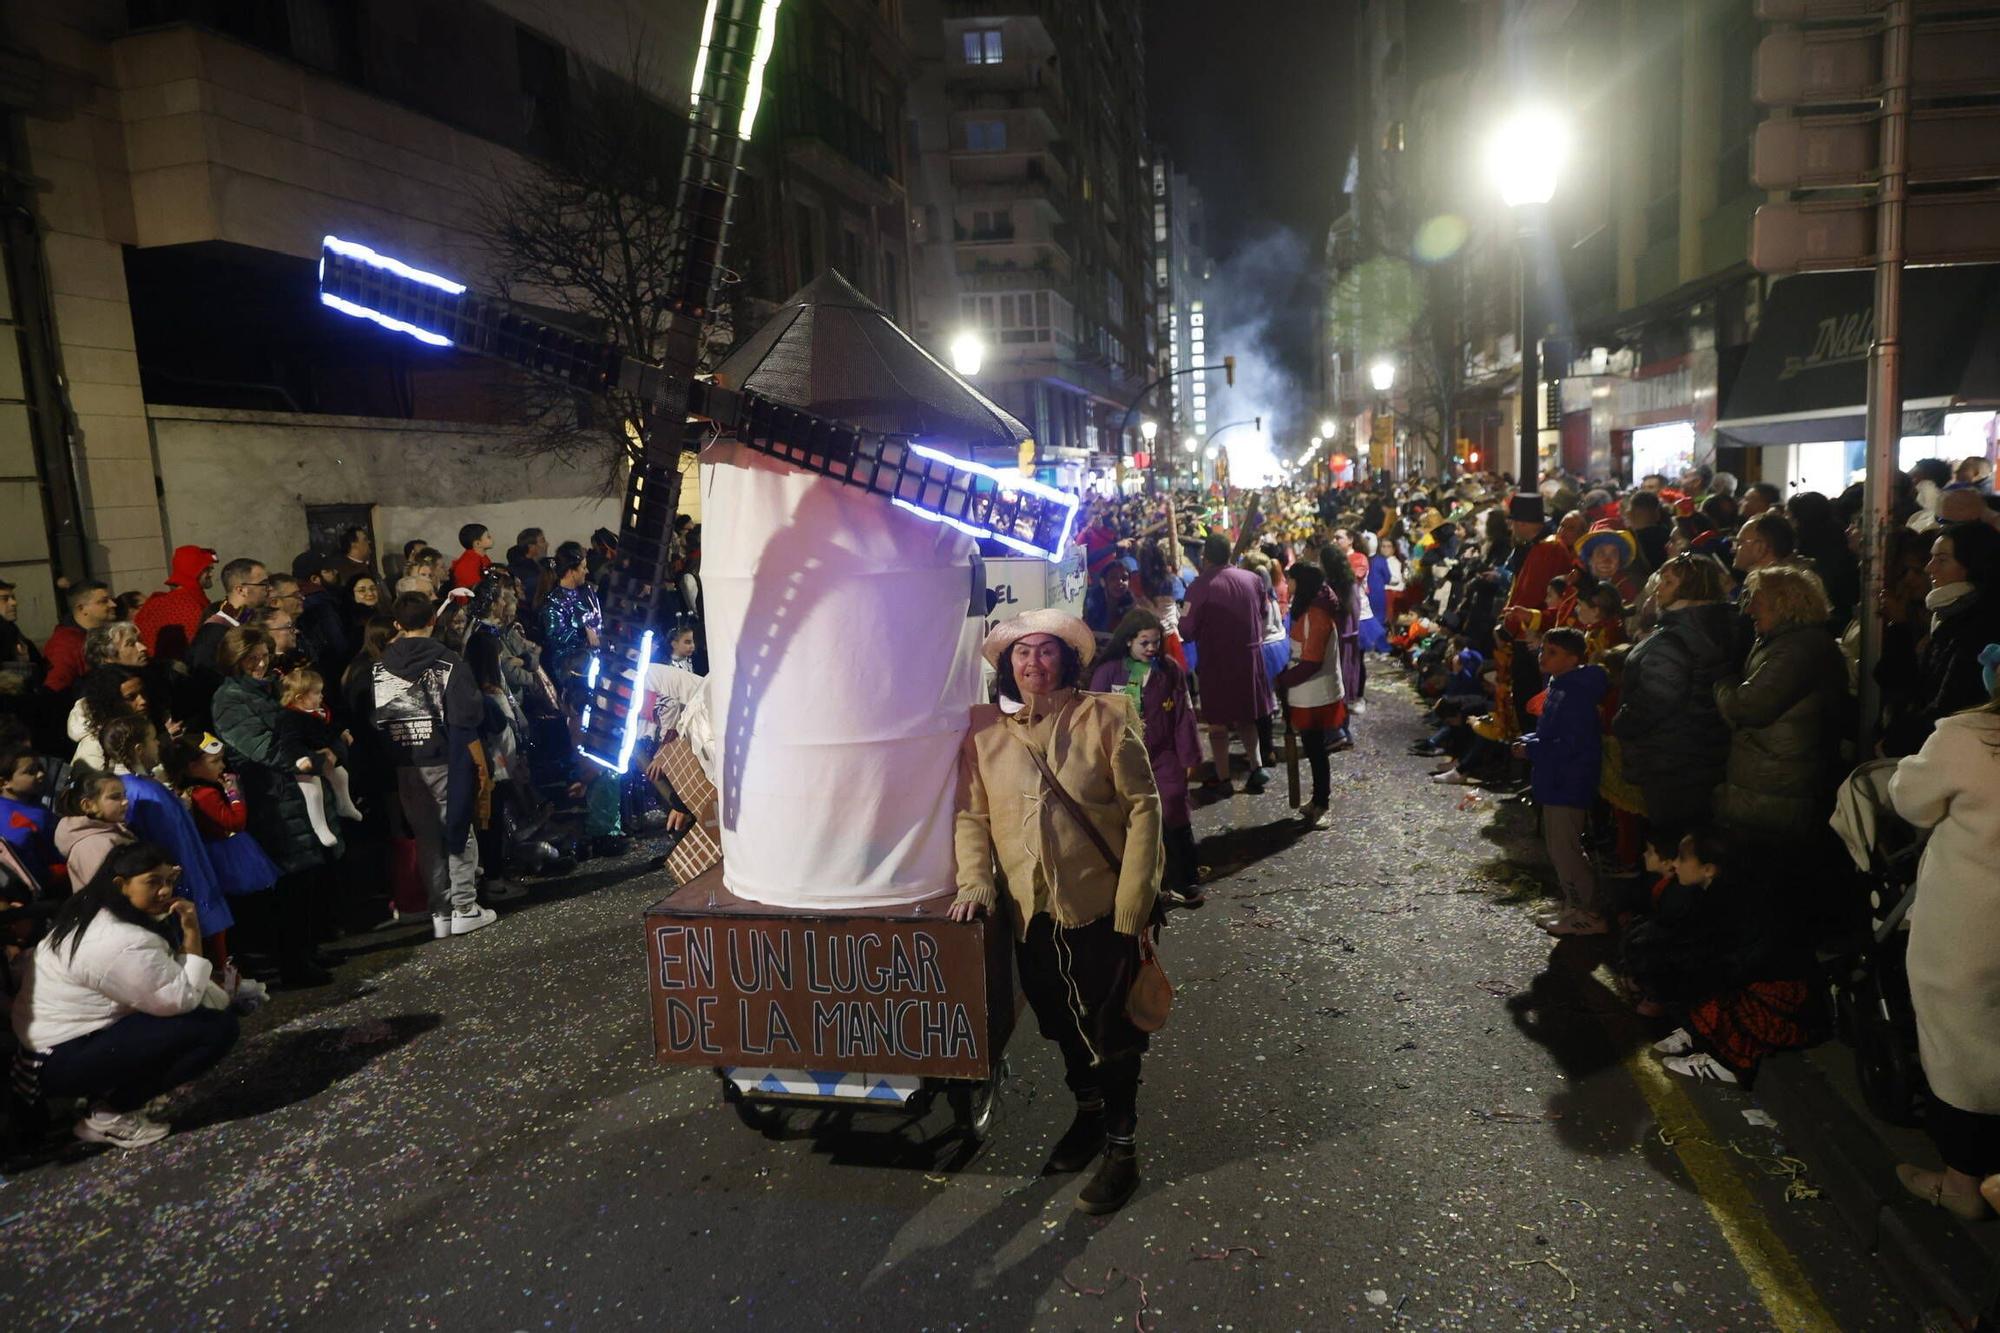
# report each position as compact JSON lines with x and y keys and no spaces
{"x":131,"y":1129}
{"x":440,"y":925}
{"x":1678,"y":1042}
{"x":1701,"y":1068}
{"x":464,"y":922}
{"x":250,"y":994}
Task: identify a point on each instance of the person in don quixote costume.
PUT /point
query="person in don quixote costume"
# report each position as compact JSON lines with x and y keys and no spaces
{"x":1056,"y":786}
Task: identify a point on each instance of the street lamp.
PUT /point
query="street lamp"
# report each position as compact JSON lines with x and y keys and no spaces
{"x":1382,"y":375}
{"x":1326,"y":427}
{"x":1148,"y":430}
{"x":1190,"y":444}
{"x":1524,"y":157}
{"x":968,"y":353}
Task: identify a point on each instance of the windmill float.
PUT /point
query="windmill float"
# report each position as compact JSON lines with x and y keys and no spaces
{"x":844,"y":601}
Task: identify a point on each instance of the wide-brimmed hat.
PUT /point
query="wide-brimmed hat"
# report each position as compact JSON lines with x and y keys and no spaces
{"x":1627,"y":544}
{"x":1048,"y":620}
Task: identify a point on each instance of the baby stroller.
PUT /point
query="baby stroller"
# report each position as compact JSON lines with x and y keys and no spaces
{"x":1866,"y":970}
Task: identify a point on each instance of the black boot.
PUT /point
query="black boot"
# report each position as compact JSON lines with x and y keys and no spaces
{"x":1080,"y":1143}
{"x":1116,"y":1179}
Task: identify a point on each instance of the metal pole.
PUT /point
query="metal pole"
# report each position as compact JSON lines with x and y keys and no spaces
{"x":1885,"y":357}
{"x":1528,"y":467}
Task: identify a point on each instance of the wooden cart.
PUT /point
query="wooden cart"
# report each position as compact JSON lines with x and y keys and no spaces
{"x":880,"y":1011}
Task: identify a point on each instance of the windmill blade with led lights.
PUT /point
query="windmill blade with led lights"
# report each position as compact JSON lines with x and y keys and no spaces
{"x":441,"y":312}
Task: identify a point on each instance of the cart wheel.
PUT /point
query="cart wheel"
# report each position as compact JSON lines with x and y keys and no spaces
{"x":973,"y":1104}
{"x":764,"y":1117}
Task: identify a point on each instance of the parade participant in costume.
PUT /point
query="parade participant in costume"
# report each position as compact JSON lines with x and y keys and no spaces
{"x":1375,"y":630}
{"x":1224,"y":619}
{"x":1610,"y":555}
{"x":1136,"y":665}
{"x":1314,"y":693}
{"x":1345,"y":595}
{"x":1056,"y":786}
{"x":1161,"y":590}
{"x":1538,"y":556}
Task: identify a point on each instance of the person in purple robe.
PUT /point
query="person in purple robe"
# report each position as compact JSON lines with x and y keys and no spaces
{"x":1347,"y":594}
{"x":1224,"y":619}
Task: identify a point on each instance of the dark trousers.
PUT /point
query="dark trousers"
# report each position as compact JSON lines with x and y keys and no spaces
{"x":1181,"y":868}
{"x":139,"y":1057}
{"x":279,"y":921}
{"x":1075,"y":979}
{"x":1969,"y":1141}
{"x":1314,"y":742}
{"x":1267,"y":756}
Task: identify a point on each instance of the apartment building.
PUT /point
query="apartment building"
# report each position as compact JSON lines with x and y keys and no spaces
{"x":1030,"y":211}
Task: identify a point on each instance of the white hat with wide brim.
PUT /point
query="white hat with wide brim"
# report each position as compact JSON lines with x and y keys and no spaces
{"x":1048,"y":620}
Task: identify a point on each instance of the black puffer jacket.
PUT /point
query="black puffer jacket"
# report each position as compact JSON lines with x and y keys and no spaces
{"x":1672,"y":733}
{"x":1789,"y":712}
{"x":1948,"y":672}
{"x":246,"y":720}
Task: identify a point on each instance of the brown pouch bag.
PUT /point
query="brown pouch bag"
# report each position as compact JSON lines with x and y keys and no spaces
{"x":1151,"y":995}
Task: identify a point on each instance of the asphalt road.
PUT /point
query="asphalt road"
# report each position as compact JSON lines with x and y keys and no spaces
{"x":1382,"y":1103}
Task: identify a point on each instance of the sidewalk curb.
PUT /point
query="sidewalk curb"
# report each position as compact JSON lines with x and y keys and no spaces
{"x":1926,"y":1252}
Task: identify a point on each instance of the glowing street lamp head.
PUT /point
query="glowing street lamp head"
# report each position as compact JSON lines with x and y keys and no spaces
{"x":1190,"y":444}
{"x":1148,"y":429}
{"x":1525,"y":154}
{"x":968,"y":353}
{"x":1326,"y":428}
{"x":1213,"y":450}
{"x":1382,"y":375}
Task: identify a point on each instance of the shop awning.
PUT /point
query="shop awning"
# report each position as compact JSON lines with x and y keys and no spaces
{"x":1805,"y":378}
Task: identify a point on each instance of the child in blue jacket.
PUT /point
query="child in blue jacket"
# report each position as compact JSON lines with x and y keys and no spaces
{"x":1567,"y":753}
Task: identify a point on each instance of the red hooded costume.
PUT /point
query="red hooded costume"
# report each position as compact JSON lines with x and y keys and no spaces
{"x":167,"y":620}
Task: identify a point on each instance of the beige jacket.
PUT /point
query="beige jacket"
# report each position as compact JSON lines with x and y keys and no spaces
{"x":1006,"y":812}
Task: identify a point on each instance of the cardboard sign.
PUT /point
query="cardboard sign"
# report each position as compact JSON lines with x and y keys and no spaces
{"x":896,"y":992}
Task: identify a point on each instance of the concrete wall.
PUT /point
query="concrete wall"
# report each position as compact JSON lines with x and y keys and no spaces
{"x":178,"y":135}
{"x":240,"y":482}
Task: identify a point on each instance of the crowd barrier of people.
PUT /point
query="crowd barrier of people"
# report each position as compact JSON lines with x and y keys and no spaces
{"x":204,"y":789}
{"x":1668,"y":674}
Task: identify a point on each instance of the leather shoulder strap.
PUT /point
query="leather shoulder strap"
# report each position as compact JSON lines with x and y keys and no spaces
{"x":1076,"y":811}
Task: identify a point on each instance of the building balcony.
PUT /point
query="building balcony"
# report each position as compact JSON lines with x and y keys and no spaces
{"x":1005,"y":88}
{"x":1025,"y":171}
{"x":826,"y":136}
{"x":1042,"y":259}
{"x":976,"y":275}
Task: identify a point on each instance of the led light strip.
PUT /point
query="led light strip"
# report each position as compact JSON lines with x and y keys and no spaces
{"x":632,"y":715}
{"x":369,"y":257}
{"x":332,"y":302}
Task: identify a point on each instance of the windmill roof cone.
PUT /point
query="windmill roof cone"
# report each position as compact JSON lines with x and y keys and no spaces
{"x":842,"y":640}
{"x":833,"y":351}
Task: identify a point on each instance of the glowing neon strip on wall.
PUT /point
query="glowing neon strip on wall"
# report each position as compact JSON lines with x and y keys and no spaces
{"x":388,"y":265}
{"x":333,"y":302}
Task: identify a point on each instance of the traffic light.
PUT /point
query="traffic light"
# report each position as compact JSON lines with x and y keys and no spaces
{"x":1229,"y":370}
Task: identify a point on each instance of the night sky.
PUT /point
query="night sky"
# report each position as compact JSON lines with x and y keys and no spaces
{"x":1253,"y":99}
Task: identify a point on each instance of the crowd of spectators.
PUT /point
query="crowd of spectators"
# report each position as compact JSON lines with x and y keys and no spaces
{"x":1668,"y":673}
{"x":204,"y":790}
